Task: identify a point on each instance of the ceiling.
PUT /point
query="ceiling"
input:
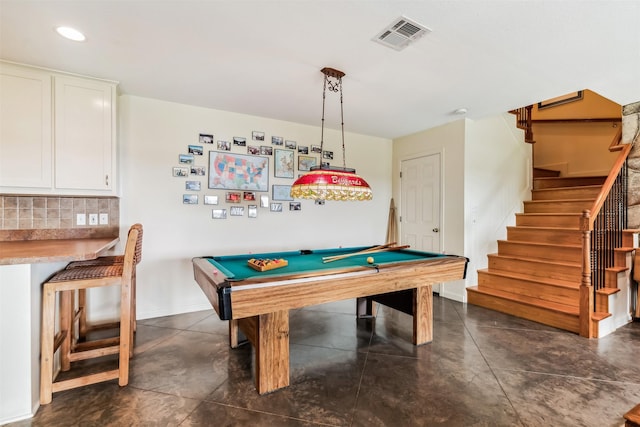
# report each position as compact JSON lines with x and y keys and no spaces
{"x":264,"y":57}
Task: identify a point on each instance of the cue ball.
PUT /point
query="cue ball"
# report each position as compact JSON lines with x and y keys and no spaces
{"x":370,"y":260}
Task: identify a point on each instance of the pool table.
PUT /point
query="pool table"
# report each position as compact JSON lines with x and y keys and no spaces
{"x":258,"y":302}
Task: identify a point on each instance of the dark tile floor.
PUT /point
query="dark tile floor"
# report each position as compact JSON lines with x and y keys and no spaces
{"x":482,"y":369}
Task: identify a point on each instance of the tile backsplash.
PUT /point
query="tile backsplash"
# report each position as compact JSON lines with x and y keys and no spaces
{"x":54,"y":212}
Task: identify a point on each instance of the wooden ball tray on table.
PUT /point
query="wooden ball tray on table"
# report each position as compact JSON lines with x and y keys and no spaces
{"x":265,"y":264}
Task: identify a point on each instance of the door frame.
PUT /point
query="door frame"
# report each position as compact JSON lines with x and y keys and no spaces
{"x":414,"y":156}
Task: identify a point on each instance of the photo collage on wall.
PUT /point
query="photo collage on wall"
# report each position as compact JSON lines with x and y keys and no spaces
{"x":237,"y":172}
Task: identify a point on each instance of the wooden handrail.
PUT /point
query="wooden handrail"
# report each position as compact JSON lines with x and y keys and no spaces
{"x":611,"y":179}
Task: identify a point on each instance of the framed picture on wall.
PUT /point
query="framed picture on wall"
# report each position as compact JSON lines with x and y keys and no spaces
{"x":283,"y":163}
{"x":231,"y":171}
{"x":305,"y":162}
{"x":281,"y":192}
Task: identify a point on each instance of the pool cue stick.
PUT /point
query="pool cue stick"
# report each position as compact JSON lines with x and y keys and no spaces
{"x":364,"y":251}
{"x":339,"y":257}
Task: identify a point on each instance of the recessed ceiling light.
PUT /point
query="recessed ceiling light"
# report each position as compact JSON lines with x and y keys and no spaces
{"x":460,"y":111}
{"x":71,"y":34}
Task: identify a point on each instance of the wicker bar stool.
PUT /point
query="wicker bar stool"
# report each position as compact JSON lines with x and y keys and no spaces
{"x":66,"y":282}
{"x":80,"y":314}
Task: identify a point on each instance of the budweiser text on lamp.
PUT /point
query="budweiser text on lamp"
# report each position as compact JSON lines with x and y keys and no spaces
{"x":331,"y":182}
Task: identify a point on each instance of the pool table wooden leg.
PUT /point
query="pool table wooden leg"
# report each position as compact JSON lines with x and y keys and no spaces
{"x":272,"y":351}
{"x":423,"y":315}
{"x":233,"y":333}
{"x":269,"y":334}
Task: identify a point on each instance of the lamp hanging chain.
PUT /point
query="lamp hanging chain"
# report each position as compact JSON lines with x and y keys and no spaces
{"x":324,"y":97}
{"x":344,"y":157}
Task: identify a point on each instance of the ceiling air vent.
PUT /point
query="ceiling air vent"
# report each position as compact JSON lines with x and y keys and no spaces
{"x":401,"y":33}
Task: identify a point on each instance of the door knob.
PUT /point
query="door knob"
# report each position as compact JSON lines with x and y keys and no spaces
{"x":435,"y":230}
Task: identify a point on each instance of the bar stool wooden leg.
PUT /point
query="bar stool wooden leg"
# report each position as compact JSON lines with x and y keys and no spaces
{"x":48,"y":331}
{"x":126,"y":333}
{"x":66,"y":322}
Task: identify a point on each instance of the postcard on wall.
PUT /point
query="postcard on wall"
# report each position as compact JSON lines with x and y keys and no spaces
{"x":283,"y":163}
{"x":219,"y":213}
{"x":295,"y":206}
{"x":327,"y":155}
{"x":210,"y":200}
{"x":257,"y":136}
{"x":205,"y":138}
{"x":264,"y":201}
{"x":239,"y":141}
{"x":316,"y":149}
{"x":252,"y":211}
{"x":185,"y":159}
{"x":190,"y":199}
{"x":266,"y":150}
{"x":198,"y":170}
{"x":277,"y":140}
{"x":253,"y":150}
{"x":195,"y":150}
{"x":303,"y":149}
{"x":237,"y":211}
{"x":180,"y":172}
{"x":290,"y":145}
{"x":192,"y":186}
{"x":224,"y":146}
{"x":231,"y":171}
{"x":233,"y":197}
{"x":276,"y":207}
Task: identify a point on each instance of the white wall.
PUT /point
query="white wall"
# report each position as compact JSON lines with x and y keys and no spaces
{"x":448,"y":140}
{"x":153,"y":133}
{"x":497,"y":180}
{"x":485,"y":171}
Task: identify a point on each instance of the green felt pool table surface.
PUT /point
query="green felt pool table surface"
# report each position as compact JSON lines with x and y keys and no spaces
{"x":236,"y":268}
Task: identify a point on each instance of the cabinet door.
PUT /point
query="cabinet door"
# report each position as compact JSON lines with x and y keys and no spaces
{"x":25,"y":127}
{"x":84,"y":131}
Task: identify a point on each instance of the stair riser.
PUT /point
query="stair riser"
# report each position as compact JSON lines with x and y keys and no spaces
{"x":566,"y":182}
{"x":552,"y":206}
{"x":551,"y":237}
{"x":541,"y":291}
{"x":533,"y":220}
{"x":537,"y":314}
{"x":536,"y":269}
{"x":566,"y":193}
{"x":567,"y":254}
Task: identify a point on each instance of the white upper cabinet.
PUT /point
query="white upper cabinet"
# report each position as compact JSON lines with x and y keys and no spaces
{"x":84,"y":150}
{"x":57,"y":133}
{"x":25,"y":128}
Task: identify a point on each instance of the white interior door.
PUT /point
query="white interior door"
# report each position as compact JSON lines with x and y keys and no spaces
{"x":420,"y":204}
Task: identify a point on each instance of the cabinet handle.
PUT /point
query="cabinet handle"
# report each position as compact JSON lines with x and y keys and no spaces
{"x":106,"y":180}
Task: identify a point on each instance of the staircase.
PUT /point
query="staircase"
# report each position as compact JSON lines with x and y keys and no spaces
{"x":537,"y":273}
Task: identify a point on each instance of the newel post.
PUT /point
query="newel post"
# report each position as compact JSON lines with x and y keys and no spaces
{"x":586,"y":289}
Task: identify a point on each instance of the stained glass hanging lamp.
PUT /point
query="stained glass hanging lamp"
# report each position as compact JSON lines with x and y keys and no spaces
{"x":331,"y":182}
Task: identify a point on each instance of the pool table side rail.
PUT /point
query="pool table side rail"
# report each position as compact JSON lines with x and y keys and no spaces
{"x":252,"y":301}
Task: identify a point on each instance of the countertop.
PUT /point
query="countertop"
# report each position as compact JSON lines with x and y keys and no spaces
{"x":53,"y":250}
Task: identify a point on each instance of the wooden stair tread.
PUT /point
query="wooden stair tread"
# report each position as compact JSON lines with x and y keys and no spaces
{"x":599,"y":315}
{"x":533,"y":227}
{"x":550,"y":245}
{"x":528,"y":278}
{"x":617,"y":269}
{"x":550,"y":214}
{"x":536,"y":302}
{"x":536,"y":260}
{"x":560,"y":201}
{"x":608,"y":291}
{"x":569,"y":187}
